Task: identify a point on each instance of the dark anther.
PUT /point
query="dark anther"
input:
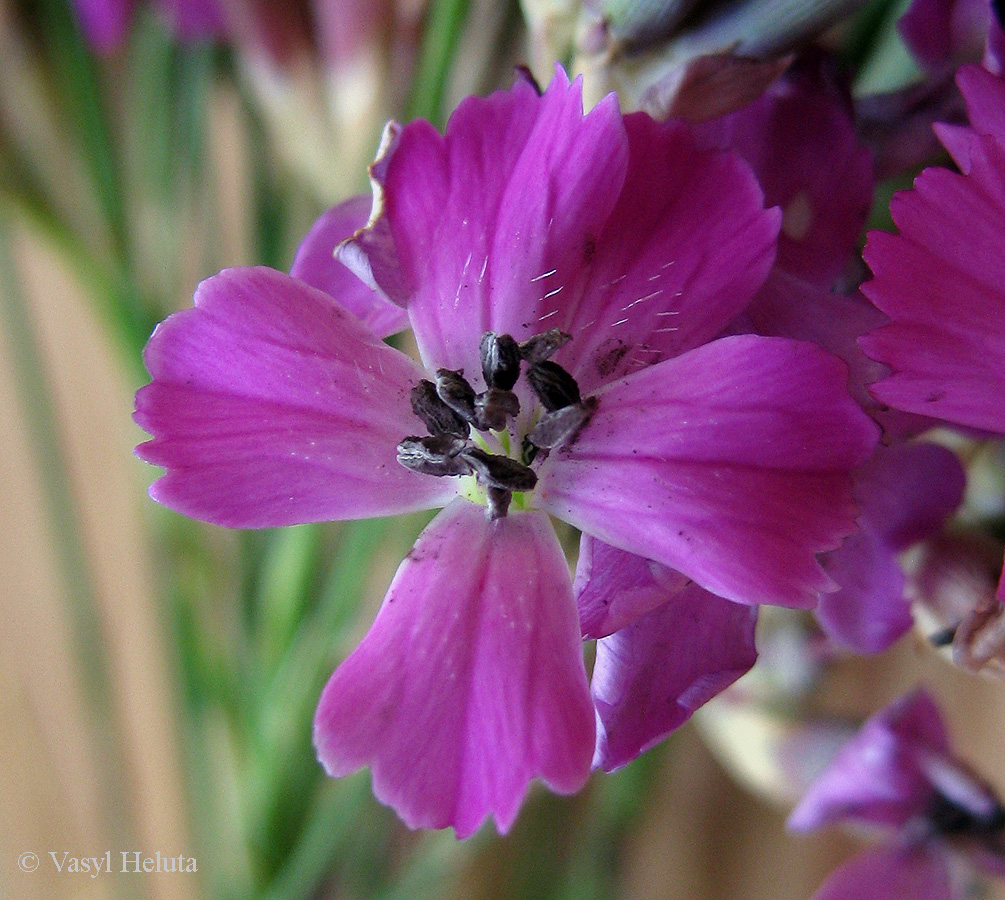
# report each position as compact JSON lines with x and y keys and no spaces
{"x":500,"y":360}
{"x":947,"y":817}
{"x":438,"y":417}
{"x":541,"y":346}
{"x":561,"y":426}
{"x":499,"y":501}
{"x":441,"y":454}
{"x":494,"y":408}
{"x":553,"y":386}
{"x":499,"y":471}
{"x":943,"y":637}
{"x":454,"y":390}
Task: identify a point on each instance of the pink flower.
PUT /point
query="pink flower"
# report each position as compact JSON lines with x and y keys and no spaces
{"x":563,"y":275}
{"x":941,"y":279}
{"x":898,"y":772}
{"x":801,"y":140}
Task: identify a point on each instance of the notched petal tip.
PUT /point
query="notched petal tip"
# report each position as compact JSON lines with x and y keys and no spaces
{"x":471,"y":680}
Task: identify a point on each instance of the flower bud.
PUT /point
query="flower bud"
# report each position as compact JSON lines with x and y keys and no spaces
{"x":953,"y":586}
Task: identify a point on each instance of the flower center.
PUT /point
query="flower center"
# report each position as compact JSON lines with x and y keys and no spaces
{"x":450,"y":409}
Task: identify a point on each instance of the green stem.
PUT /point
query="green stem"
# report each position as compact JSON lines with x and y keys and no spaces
{"x":88,"y":640}
{"x":444,"y":25}
{"x":78,"y":83}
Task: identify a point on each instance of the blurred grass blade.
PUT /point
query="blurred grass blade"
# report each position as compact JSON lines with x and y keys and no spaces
{"x":77,"y":84}
{"x":441,"y":37}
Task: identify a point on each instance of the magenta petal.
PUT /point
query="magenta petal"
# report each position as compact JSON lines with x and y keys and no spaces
{"x":652,"y":675}
{"x":471,"y":679}
{"x":614,"y":588}
{"x":315,"y":264}
{"x":941,"y":283}
{"x":877,"y":776}
{"x":654,"y":290}
{"x":939,"y":32}
{"x":104,"y":22}
{"x":891,"y":873}
{"x":801,"y":141}
{"x":905,"y":493}
{"x":496,"y":218}
{"x":789,"y":306}
{"x":984,"y":94}
{"x":194,"y":20}
{"x":271,"y":405}
{"x":729,"y":463}
{"x":869,"y":611}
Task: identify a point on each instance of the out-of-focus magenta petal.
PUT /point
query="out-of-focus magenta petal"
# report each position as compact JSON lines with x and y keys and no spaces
{"x":984,"y":94}
{"x":348,"y":29}
{"x":891,"y":873}
{"x":869,"y":611}
{"x":800,"y":139}
{"x":195,"y":20}
{"x":315,"y":264}
{"x":937,"y":32}
{"x":652,"y":290}
{"x":994,"y":53}
{"x":471,"y":680}
{"x":651,"y":676}
{"x":614,"y":588}
{"x":789,"y":306}
{"x":941,"y":283}
{"x":103,"y":22}
{"x":877,"y":776}
{"x":496,"y":219}
{"x":272,"y":405}
{"x":729,"y":463}
{"x":905,"y":493}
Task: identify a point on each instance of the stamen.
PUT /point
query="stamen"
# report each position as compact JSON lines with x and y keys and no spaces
{"x":437,"y":416}
{"x":500,"y":471}
{"x":499,"y":501}
{"x":500,"y":360}
{"x":538,"y":348}
{"x":559,"y":427}
{"x":494,"y":408}
{"x":552,"y":385}
{"x":438,"y":455}
{"x":454,"y":390}
{"x":947,"y":817}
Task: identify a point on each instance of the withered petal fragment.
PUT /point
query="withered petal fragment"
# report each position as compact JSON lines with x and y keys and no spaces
{"x":538,"y":348}
{"x":562,"y":425}
{"x":440,"y":454}
{"x":499,"y":471}
{"x":552,"y":385}
{"x":435,"y":414}
{"x":500,"y":360}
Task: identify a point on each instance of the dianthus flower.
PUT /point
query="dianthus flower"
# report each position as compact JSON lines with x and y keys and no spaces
{"x":564,"y":276}
{"x":940,"y":280}
{"x":898,"y":772}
